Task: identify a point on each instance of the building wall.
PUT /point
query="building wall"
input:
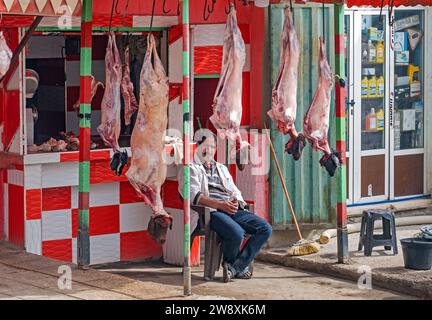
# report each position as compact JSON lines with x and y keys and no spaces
{"x":428,"y":105}
{"x":313,"y":193}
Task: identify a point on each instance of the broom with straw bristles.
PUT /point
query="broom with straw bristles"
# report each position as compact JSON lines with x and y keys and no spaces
{"x":301,"y":247}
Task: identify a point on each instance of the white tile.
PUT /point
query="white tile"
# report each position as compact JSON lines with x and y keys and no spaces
{"x":60,"y":174}
{"x":33,"y":236}
{"x":6,"y":210}
{"x":56,"y":224}
{"x":74,"y":197}
{"x":103,"y":194}
{"x":16,"y":177}
{"x":105,"y":248}
{"x":38,"y":158}
{"x":134,"y":217}
{"x":173,"y":249}
{"x":74,"y":250}
{"x":209,"y":35}
{"x":33,"y":177}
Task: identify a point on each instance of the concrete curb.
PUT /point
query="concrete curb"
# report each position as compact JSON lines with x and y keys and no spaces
{"x":391,"y":280}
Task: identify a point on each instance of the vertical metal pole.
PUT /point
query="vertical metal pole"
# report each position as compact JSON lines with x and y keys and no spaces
{"x":84,"y":137}
{"x":342,"y":233}
{"x":186,"y":149}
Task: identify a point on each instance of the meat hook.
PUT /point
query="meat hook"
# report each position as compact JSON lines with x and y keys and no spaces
{"x":291,"y":6}
{"x":152,"y":15}
{"x":113,"y":7}
{"x":209,"y":9}
{"x":125,"y":12}
{"x":163,"y":8}
{"x":230,"y":5}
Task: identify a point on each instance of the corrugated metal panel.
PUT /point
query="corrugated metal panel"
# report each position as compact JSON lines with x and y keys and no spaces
{"x":313,"y":193}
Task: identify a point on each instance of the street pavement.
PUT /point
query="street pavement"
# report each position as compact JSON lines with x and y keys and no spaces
{"x":28,"y":276}
{"x":387,"y":270}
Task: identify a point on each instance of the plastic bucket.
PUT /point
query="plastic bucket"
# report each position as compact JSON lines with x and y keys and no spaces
{"x":417,"y":253}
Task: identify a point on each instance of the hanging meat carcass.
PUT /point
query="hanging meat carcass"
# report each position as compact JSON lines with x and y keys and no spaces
{"x":94,"y":86}
{"x":127,"y":90}
{"x":110,"y":126}
{"x":284,"y":93}
{"x":147,"y":171}
{"x":227,"y":101}
{"x":317,"y":118}
{"x":5,"y":55}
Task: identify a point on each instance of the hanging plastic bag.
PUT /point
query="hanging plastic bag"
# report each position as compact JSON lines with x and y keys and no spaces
{"x":5,"y":55}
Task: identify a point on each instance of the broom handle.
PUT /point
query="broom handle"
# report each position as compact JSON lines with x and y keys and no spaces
{"x":283,"y":184}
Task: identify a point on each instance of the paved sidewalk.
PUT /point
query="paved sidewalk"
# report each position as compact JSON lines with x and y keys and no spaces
{"x":387,"y":269}
{"x":28,"y":276}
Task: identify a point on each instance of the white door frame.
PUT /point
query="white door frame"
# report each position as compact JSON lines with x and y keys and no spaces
{"x":358,"y":153}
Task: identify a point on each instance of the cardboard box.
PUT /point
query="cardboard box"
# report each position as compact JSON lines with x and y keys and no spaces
{"x":402,"y":81}
{"x":406,"y":22}
{"x":400,"y":41}
{"x":415,"y":89}
{"x":402,"y":57}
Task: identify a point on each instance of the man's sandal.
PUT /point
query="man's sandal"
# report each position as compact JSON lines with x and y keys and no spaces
{"x":246,"y":275}
{"x":227,"y":273}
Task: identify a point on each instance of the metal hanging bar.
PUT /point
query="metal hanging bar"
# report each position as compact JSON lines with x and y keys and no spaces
{"x":187,"y":282}
{"x":83,"y":249}
{"x":152,"y":15}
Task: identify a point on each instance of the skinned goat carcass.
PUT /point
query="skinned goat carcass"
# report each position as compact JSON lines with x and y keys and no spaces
{"x":317,"y":118}
{"x":110,"y":126}
{"x":284,"y":93}
{"x":147,"y":171}
{"x":94,"y":86}
{"x":5,"y":55}
{"x":127,"y":90}
{"x":227,"y":101}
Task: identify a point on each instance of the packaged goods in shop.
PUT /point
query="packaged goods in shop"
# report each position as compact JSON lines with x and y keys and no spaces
{"x":380,"y":52}
{"x":368,"y":71}
{"x":415,"y":89}
{"x":402,"y":57}
{"x":373,"y":87}
{"x":402,"y":80}
{"x":371,"y":120}
{"x":414,"y":37}
{"x":365,"y":87}
{"x":366,"y":23}
{"x":406,"y":22}
{"x":380,"y":120}
{"x":413,"y":73}
{"x":402,"y":92}
{"x":372,"y":51}
{"x":400,"y":41}
{"x":380,"y":86}
{"x":380,"y":35}
{"x":373,"y":33}
{"x":407,"y":119}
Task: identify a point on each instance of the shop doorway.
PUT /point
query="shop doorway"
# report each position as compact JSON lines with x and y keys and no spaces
{"x":384,"y":105}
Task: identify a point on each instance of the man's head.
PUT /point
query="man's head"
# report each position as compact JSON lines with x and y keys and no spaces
{"x":206,"y":146}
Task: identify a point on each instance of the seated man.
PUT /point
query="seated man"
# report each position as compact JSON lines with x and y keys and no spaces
{"x":211,"y":185}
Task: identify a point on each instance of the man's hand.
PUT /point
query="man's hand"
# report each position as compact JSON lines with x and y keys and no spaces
{"x":229,"y":207}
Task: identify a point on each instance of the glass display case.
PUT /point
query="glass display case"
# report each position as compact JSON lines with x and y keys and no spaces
{"x":373,"y":77}
{"x":408,"y":64}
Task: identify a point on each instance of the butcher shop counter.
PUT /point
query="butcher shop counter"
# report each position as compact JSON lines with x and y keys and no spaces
{"x":41,"y":204}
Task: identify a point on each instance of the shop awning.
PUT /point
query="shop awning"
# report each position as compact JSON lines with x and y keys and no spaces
{"x":40,"y":7}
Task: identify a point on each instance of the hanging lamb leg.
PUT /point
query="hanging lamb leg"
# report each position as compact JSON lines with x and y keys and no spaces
{"x":317,"y":118}
{"x":284,"y":93}
{"x":227,"y":101}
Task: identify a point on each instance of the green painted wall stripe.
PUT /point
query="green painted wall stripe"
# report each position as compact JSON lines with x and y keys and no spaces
{"x":207,"y":76}
{"x":86,"y":59}
{"x":83,"y":217}
{"x":84,"y":170}
{"x":341,"y":197}
{"x":85,"y":109}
